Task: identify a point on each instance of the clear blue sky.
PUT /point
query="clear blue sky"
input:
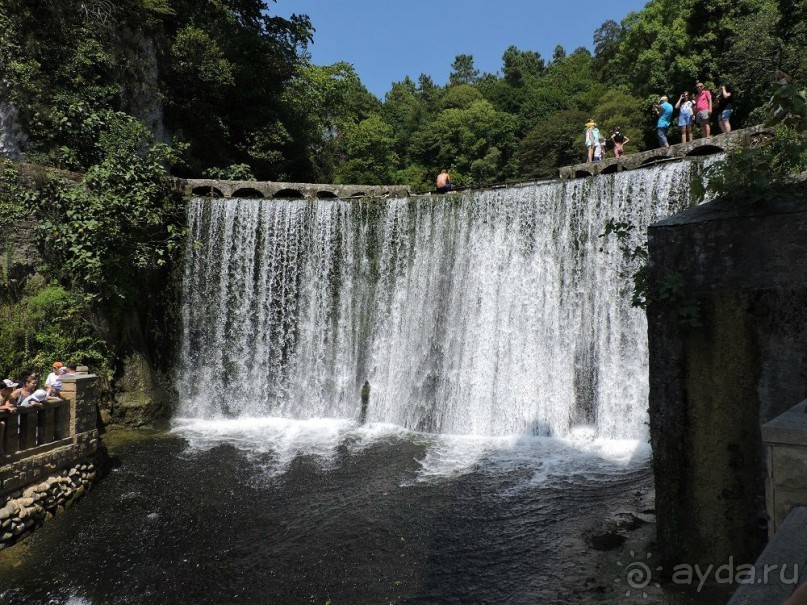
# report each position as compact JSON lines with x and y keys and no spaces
{"x":386,"y":40}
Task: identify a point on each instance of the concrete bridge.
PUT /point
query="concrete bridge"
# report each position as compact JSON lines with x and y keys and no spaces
{"x":746,"y":137}
{"x":270,"y":189}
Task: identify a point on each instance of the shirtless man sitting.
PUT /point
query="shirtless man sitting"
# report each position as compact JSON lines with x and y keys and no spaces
{"x":444,"y":182}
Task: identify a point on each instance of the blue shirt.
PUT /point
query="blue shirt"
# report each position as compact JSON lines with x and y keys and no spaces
{"x":666,"y":116}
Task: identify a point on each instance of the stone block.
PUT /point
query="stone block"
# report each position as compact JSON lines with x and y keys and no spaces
{"x":789,"y":467}
{"x":788,"y":428}
{"x":787,"y":550}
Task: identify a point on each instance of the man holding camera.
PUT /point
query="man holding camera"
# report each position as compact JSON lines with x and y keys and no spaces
{"x":664,"y":112}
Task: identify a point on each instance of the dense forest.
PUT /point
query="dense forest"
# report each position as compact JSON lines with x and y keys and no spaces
{"x":122,"y":93}
{"x":232,"y":87}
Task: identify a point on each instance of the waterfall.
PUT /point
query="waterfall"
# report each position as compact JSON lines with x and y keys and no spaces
{"x":492,"y":313}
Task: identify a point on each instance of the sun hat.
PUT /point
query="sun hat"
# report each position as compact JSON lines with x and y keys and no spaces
{"x":57,"y":364}
{"x":590,"y":123}
{"x":40,"y":395}
{"x":10,"y":384}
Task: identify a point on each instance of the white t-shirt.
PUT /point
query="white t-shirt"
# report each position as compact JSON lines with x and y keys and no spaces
{"x":54,"y":380}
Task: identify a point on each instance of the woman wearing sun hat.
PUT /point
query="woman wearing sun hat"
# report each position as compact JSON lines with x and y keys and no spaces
{"x":6,"y":405}
{"x":592,"y":138}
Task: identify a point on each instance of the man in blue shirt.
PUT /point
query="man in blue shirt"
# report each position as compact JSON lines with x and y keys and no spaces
{"x":664,"y":112}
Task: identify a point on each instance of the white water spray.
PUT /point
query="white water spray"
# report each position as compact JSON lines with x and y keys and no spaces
{"x":489,"y":313}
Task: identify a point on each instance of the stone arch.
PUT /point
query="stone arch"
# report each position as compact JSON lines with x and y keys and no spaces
{"x":705,"y":150}
{"x":579,"y":174}
{"x":247,"y":192}
{"x":291,"y":194}
{"x":207,"y":191}
{"x":612,"y":169}
{"x":326,"y":195}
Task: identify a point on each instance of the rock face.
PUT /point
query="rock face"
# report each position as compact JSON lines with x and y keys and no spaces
{"x":141,"y":91}
{"x":12,"y":138}
{"x":141,"y":397}
{"x":711,"y":387}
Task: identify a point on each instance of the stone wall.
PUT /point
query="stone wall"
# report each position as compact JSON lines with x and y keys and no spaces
{"x":27,"y":509}
{"x":35,"y":484}
{"x":271,"y":189}
{"x":711,"y":387}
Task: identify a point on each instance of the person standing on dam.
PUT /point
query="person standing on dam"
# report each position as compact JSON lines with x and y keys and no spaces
{"x":703,"y":109}
{"x":664,"y":112}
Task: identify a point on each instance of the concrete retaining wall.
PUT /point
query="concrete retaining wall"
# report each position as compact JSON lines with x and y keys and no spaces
{"x":711,"y":387}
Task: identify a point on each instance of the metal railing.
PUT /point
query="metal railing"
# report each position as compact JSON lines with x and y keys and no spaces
{"x":30,"y":429}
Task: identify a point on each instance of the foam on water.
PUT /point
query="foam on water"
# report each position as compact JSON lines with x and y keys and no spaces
{"x":274,"y":443}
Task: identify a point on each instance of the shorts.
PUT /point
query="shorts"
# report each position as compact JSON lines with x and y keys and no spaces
{"x":685,"y":119}
{"x":725,"y":115}
{"x":444,"y":188}
{"x":703,"y":116}
{"x":662,"y":136}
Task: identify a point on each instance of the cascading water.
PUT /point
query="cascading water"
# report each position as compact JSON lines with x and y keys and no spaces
{"x":492,"y":313}
{"x":494,"y":316}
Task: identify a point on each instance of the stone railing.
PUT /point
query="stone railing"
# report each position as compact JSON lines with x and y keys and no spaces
{"x":271,"y":189}
{"x":43,"y":441}
{"x":30,"y":431}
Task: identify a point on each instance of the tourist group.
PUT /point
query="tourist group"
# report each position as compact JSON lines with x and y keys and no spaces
{"x":24,"y":393}
{"x":696,"y":108}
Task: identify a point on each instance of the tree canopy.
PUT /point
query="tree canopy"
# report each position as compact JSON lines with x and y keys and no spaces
{"x":235,"y":84}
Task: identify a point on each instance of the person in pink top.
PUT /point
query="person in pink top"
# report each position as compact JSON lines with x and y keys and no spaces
{"x":703,"y":108}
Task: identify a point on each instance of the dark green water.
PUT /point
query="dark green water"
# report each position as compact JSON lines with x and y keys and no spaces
{"x":354,"y":516}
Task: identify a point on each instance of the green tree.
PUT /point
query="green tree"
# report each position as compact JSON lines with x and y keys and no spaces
{"x":463,"y":71}
{"x":478,"y":142}
{"x":327,"y":101}
{"x":370,"y":153}
{"x":125,"y":215}
{"x":405,"y":111}
{"x":551,"y":144}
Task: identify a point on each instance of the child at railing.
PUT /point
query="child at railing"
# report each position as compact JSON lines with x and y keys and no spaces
{"x":53,"y":383}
